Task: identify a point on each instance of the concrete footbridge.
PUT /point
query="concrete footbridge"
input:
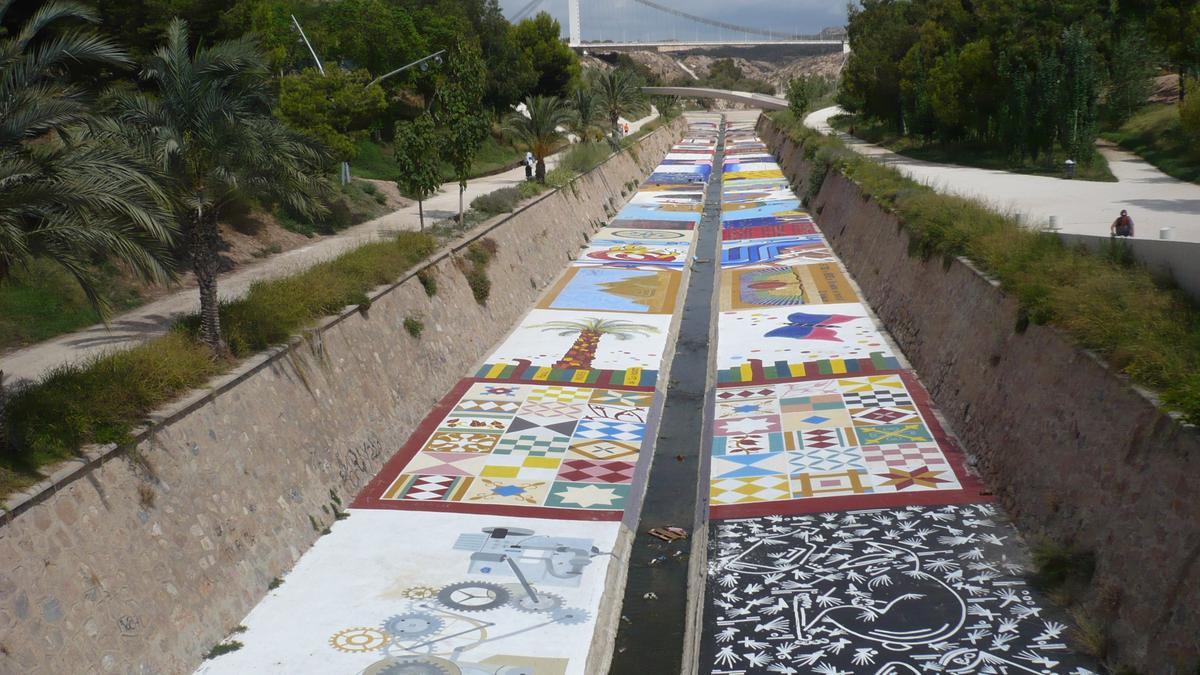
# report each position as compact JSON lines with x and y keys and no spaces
{"x":754,"y":100}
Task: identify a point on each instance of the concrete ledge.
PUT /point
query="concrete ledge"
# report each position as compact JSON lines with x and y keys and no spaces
{"x":1076,"y":453}
{"x":1178,"y":261}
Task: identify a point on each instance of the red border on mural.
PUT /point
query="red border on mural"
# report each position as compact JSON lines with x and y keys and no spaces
{"x":971,"y":490}
{"x":368,"y":497}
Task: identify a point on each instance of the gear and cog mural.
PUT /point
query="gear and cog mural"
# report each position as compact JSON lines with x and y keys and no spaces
{"x":413,"y":625}
{"x":473,"y":596}
{"x":353,"y":640}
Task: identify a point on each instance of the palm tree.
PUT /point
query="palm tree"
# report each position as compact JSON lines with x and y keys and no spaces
{"x":587,"y":113}
{"x":67,"y":193}
{"x":620,"y":94}
{"x":208,"y":125}
{"x":540,"y":128}
{"x":583,"y":350}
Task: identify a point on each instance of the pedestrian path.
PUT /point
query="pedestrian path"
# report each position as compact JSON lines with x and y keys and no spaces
{"x":1154,"y":199}
{"x":155,"y":318}
{"x":847,"y":535}
{"x":485,"y":544}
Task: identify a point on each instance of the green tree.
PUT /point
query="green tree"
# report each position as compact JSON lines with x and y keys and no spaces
{"x":377,"y":35}
{"x":669,"y":107}
{"x":459,"y":112}
{"x":336,"y":108}
{"x":802,"y":92}
{"x":1175,"y":26}
{"x":555,"y":63}
{"x":585,"y":104}
{"x":1130,"y":71}
{"x":620,"y":93}
{"x":417,"y":154}
{"x":539,"y":129}
{"x":68,"y":192}
{"x":205,"y":118}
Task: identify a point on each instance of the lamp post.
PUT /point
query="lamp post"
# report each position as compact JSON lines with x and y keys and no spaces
{"x":423,"y":62}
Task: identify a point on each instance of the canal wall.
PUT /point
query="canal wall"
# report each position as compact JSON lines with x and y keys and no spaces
{"x":138,"y":560}
{"x":1075,"y":452}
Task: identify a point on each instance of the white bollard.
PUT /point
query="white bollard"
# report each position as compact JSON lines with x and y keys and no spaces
{"x":1165,"y":232}
{"x":1053,"y":224}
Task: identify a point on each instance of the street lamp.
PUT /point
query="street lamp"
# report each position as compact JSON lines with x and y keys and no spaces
{"x":436,"y":57}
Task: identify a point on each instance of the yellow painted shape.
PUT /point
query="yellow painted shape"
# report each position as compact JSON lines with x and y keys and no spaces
{"x":500,"y":471}
{"x":580,"y":376}
{"x":542,"y":373}
{"x":633,"y":375}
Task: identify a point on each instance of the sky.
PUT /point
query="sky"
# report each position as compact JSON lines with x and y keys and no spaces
{"x":620,"y":20}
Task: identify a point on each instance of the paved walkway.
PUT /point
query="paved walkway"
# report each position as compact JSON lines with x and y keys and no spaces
{"x":155,"y":318}
{"x":1153,"y":199}
{"x":485,"y":546}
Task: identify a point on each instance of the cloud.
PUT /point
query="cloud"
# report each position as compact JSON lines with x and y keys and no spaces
{"x":627,"y":20}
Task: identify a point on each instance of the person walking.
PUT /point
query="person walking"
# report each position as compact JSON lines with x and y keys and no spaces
{"x":528,"y":165}
{"x":1122,"y":226}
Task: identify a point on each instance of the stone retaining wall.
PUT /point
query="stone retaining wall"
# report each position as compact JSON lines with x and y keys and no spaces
{"x":1076,"y":454}
{"x":139,"y":561}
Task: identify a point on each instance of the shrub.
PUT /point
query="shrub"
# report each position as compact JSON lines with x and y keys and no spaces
{"x":583,"y":157}
{"x":530,"y":188}
{"x":272,"y":311}
{"x":479,"y":254}
{"x":499,"y":201}
{"x":414,"y":326}
{"x":100,"y":401}
{"x":428,"y":279}
{"x":1189,"y":117}
{"x":559,"y":177}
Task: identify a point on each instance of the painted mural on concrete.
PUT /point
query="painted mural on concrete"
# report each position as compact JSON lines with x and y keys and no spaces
{"x":847,"y":535}
{"x":482,"y":546}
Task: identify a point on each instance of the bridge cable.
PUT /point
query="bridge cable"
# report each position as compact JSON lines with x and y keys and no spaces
{"x":525,"y":11}
{"x":721,"y":24}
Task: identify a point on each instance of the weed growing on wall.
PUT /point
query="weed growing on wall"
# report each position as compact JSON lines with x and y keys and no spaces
{"x":428,"y":279}
{"x":413,"y":326}
{"x":474,"y":267}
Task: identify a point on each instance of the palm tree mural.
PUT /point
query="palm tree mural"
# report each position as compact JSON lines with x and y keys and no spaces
{"x":583,"y":351}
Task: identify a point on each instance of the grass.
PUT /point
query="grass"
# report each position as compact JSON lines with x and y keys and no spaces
{"x":272,"y":311}
{"x":1094,"y":168}
{"x":1154,"y":133}
{"x":104,"y":399}
{"x":583,"y":157}
{"x":42,"y":301}
{"x":1141,"y":327}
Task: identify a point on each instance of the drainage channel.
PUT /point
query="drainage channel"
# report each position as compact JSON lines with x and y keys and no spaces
{"x":655,"y":626}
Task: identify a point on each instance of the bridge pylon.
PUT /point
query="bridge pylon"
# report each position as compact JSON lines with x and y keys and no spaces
{"x":573,"y":22}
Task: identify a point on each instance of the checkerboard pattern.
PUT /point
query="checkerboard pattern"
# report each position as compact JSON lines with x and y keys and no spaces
{"x":824,"y":442}
{"x":810,"y":433}
{"x":530,"y":445}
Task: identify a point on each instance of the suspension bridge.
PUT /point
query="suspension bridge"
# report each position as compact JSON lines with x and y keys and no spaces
{"x":716,"y":33}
